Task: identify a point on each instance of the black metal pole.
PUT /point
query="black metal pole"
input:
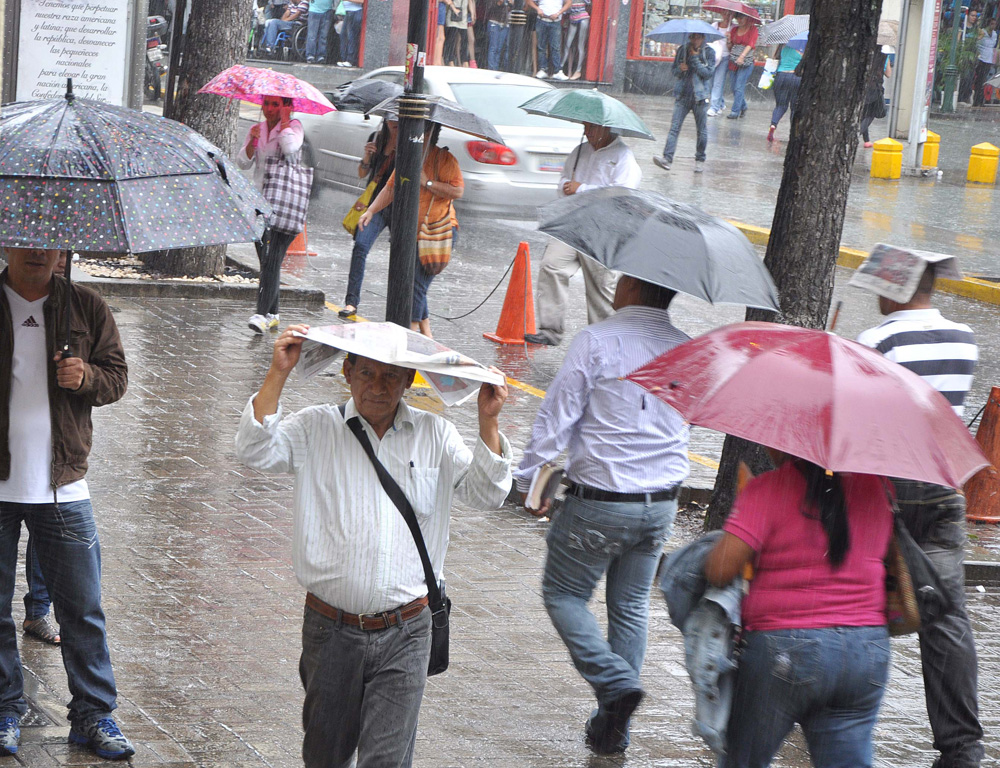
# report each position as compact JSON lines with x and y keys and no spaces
{"x":409,"y":159}
{"x":176,"y":37}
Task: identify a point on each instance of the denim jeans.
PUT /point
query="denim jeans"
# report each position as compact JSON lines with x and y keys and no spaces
{"x":830,"y":681}
{"x":363,"y":242}
{"x":352,"y":35}
{"x":422,"y":280}
{"x":718,"y":85}
{"x":587,"y":540}
{"x":271,"y":253}
{"x":935,"y":517}
{"x":271,"y":30}
{"x":681,"y":108}
{"x":317,"y":33}
{"x":36,"y":599}
{"x":497,"y":41}
{"x":549,"y":42}
{"x":739,"y":79}
{"x":786,"y":94}
{"x":69,"y":553}
{"x":363,"y":691}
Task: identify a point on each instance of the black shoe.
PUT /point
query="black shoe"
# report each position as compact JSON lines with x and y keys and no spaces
{"x":596,"y":736}
{"x":348,"y":311}
{"x":743,"y":111}
{"x":661,"y":162}
{"x":732,"y":116}
{"x":540,"y":338}
{"x":619,"y":711}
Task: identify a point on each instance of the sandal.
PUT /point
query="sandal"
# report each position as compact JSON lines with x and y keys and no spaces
{"x":348,"y":311}
{"x":43,"y":630}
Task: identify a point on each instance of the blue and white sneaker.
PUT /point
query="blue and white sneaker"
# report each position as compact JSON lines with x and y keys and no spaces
{"x":104,"y":738}
{"x":10,"y":735}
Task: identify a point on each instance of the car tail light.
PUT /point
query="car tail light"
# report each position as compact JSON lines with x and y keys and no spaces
{"x":491,"y":153}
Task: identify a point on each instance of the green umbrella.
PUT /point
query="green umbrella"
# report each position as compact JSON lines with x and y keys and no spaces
{"x":588,"y":106}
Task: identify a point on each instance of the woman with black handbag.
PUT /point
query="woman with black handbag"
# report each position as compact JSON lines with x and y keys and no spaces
{"x":440,"y":183}
{"x":742,"y":43}
{"x":874,"y":107}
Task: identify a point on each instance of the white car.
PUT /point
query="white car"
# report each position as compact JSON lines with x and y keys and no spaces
{"x":509,"y":181}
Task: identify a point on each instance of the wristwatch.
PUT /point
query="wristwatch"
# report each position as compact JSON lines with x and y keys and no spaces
{"x":429,"y":182}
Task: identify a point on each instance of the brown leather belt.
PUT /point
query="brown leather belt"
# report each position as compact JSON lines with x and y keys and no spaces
{"x":368,"y":622}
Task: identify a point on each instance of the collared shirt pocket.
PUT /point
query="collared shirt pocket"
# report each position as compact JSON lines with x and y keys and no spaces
{"x":422,"y":489}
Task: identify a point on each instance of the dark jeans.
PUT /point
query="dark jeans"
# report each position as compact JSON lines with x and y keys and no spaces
{"x":682,"y":106}
{"x":549,"y":42}
{"x":980,"y":74}
{"x":422,"y":280}
{"x":786,"y":93}
{"x":935,"y":516}
{"x":271,"y":252}
{"x":352,"y":35}
{"x":69,"y":553}
{"x":363,"y":242}
{"x":317,"y":33}
{"x":36,"y":599}
{"x":496,"y":35}
{"x":363,"y":691}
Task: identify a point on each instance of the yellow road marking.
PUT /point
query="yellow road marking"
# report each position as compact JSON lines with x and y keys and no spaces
{"x":420,"y":383}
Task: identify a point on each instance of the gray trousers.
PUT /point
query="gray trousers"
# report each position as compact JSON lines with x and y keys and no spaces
{"x":363,"y":691}
{"x":559,"y":264}
{"x":935,"y":516}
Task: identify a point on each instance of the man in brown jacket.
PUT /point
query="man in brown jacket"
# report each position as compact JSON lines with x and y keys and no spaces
{"x":45,"y":438}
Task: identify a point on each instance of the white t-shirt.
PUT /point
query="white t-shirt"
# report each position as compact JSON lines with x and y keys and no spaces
{"x":721,"y":46}
{"x":550,"y":7}
{"x":30,"y":437}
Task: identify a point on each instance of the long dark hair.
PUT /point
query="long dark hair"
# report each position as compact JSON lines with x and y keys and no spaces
{"x":825,"y":497}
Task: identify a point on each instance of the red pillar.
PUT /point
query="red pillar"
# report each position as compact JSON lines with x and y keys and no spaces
{"x":789,"y":8}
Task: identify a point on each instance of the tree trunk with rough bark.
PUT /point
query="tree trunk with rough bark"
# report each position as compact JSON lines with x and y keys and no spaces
{"x":809,"y":214}
{"x":216,"y":40}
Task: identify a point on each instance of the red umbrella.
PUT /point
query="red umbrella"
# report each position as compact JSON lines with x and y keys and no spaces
{"x":734,"y":6}
{"x":253,"y":84}
{"x":818,"y":396}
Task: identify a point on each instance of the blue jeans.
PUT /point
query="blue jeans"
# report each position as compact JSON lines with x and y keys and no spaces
{"x":587,"y":540}
{"x":69,"y":553}
{"x":363,"y":242}
{"x":739,"y":79}
{"x":549,"y":42}
{"x":718,"y":85}
{"x":497,"y":41}
{"x":36,"y":599}
{"x":681,"y":108}
{"x":786,"y":94}
{"x":271,"y":30}
{"x":422,"y":280}
{"x":352,"y":35}
{"x":316,"y":35}
{"x":830,"y":681}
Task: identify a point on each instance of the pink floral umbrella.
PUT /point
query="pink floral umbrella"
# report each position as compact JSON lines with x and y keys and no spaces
{"x":253,"y":84}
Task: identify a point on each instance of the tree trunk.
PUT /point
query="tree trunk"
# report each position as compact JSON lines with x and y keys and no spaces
{"x":809,"y":214}
{"x":216,"y":40}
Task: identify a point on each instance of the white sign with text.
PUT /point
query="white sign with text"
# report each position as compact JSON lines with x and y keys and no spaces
{"x":86,"y":40}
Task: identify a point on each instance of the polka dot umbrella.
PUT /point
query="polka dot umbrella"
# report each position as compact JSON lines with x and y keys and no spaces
{"x":80,"y":174}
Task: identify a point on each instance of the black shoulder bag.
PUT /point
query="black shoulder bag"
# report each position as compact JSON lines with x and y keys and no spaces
{"x":440,"y":605}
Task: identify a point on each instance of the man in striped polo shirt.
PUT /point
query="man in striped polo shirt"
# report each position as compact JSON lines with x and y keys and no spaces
{"x":944,"y":354}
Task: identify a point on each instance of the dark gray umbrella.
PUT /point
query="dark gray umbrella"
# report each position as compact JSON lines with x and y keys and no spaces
{"x":648,"y":236}
{"x":364,"y":94}
{"x":448,"y":113}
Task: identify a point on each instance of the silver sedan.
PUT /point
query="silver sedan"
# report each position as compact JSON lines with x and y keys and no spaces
{"x":509,"y":181}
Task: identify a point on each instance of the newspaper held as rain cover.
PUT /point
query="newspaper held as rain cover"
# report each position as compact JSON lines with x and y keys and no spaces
{"x":895,"y":272}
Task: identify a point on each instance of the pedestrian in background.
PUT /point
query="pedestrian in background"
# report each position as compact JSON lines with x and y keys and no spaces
{"x":944,"y":353}
{"x":497,"y":29}
{"x":721,"y":48}
{"x":318,"y":31}
{"x":874,"y":106}
{"x":693,"y":69}
{"x":292,"y":13}
{"x":377,"y":164}
{"x":456,"y":32}
{"x":548,"y":29}
{"x":576,"y":41}
{"x":603,"y":160}
{"x":627,"y":456}
{"x":815,"y":643}
{"x":276,"y":135}
{"x":351,"y":50}
{"x":986,"y":51}
{"x":742,"y":43}
{"x":786,"y":86}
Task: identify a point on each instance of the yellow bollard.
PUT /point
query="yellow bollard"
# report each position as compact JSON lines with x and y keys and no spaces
{"x":931,"y":149}
{"x":887,"y":159}
{"x":983,"y":163}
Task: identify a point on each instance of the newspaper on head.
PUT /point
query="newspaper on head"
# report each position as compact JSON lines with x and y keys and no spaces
{"x":895,"y":272}
{"x":453,"y":376}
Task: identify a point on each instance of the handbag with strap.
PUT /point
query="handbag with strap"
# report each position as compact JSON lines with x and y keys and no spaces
{"x":287,"y":185}
{"x":734,"y":55}
{"x":440,"y":604}
{"x":434,"y":240}
{"x":350,"y":221}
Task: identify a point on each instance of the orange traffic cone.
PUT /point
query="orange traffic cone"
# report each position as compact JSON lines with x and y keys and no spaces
{"x":518,"y":314}
{"x":982,"y":492}
{"x":300,"y":245}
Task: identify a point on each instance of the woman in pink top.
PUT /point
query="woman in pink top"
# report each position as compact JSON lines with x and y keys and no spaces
{"x":816,"y":645}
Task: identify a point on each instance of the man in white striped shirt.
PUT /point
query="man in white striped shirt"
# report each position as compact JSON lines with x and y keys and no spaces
{"x":627,"y":456}
{"x":944,"y":354}
{"x":367,"y":629}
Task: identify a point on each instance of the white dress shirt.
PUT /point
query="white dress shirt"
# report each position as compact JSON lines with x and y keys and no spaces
{"x":610,"y":166}
{"x":619,"y":437}
{"x":270,"y":144}
{"x":351,"y":546}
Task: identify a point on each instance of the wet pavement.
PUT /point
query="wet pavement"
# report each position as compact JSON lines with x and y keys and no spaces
{"x":204,"y":611}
